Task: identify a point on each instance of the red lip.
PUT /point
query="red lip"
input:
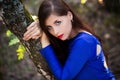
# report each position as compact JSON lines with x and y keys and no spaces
{"x":60,"y":36}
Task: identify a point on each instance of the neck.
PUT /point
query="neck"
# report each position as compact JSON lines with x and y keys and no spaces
{"x":75,"y":32}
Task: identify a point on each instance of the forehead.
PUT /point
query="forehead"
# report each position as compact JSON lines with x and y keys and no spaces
{"x":52,"y":18}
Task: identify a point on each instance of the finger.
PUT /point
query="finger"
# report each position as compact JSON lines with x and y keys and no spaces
{"x":31,"y":25}
{"x":36,"y":37}
{"x":32,"y":34}
{"x":26,"y":39}
{"x":37,"y":33}
{"x":36,"y":23}
{"x":32,"y":29}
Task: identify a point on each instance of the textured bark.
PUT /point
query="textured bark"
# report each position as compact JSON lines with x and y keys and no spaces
{"x":17,"y":19}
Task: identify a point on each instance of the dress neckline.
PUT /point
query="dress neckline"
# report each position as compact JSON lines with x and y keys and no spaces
{"x":81,"y":32}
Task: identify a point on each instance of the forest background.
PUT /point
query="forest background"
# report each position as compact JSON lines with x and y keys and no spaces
{"x":102,"y":15}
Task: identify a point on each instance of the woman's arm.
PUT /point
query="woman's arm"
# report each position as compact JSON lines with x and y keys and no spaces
{"x":78,"y":57}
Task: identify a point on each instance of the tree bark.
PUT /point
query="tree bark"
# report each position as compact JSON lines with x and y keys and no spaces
{"x":17,"y":18}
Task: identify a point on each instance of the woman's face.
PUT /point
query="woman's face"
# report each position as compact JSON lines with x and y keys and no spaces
{"x":60,"y":26}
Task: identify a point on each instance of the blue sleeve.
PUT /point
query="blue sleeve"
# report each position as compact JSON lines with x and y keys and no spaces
{"x":79,"y":54}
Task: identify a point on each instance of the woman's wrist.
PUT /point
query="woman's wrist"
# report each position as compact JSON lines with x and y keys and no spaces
{"x":44,"y":40}
{"x":45,"y":43}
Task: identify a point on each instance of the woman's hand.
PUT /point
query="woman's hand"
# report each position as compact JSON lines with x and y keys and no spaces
{"x":33,"y":31}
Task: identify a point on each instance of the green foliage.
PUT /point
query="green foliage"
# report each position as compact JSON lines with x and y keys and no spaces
{"x":20,"y":52}
{"x":8,"y":33}
{"x":83,"y":1}
{"x":14,"y":41}
{"x":34,"y":17}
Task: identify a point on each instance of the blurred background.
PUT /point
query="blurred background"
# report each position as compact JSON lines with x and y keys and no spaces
{"x":102,"y":15}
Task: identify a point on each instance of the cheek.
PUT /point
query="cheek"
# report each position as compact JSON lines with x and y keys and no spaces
{"x":51,"y":32}
{"x":68,"y":25}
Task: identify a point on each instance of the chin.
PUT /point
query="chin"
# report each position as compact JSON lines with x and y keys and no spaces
{"x":63,"y":39}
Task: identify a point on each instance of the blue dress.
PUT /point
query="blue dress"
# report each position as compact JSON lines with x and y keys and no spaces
{"x":86,"y":60}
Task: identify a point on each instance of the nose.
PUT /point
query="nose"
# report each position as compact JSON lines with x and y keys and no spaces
{"x":56,"y":30}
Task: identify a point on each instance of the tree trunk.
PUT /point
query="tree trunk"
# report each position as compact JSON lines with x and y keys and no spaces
{"x":16,"y":18}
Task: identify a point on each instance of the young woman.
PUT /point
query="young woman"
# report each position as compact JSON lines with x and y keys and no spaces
{"x":72,"y":50}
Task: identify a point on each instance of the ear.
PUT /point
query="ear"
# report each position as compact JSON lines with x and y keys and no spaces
{"x":70,"y":15}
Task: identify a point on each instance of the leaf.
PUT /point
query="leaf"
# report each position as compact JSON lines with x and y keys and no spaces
{"x":83,"y":1}
{"x":14,"y":41}
{"x":34,"y":17}
{"x":20,"y":56}
{"x":21,"y":49}
{"x":8,"y":33}
{"x":20,"y":52}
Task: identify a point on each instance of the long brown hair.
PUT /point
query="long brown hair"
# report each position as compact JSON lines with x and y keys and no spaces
{"x":60,"y":8}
